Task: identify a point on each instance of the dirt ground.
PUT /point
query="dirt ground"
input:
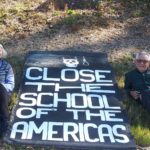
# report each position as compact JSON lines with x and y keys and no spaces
{"x":113,"y":30}
{"x":117,"y":40}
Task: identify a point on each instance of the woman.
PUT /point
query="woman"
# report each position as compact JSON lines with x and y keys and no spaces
{"x":6,"y":88}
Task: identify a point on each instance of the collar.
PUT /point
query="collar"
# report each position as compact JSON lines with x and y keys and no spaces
{"x":144,"y":71}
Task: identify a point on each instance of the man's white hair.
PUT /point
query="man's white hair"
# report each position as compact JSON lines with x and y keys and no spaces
{"x":4,"y":52}
{"x":143,"y":53}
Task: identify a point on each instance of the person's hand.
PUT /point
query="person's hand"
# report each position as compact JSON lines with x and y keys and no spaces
{"x":135,"y":94}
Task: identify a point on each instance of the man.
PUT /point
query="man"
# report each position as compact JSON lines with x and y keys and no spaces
{"x":137,"y":81}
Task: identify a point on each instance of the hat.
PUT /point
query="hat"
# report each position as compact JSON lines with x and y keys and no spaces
{"x":4,"y":52}
{"x":143,"y":55}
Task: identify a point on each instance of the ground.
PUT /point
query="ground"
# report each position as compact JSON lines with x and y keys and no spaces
{"x":118,"y":39}
{"x":111,"y":30}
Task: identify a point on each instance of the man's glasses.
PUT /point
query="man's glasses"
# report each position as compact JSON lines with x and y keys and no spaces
{"x":139,"y":61}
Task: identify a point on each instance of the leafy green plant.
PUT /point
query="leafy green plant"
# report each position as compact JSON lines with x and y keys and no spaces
{"x":70,"y":12}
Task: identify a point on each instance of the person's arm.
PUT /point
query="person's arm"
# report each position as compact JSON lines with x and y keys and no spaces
{"x":129,"y":87}
{"x":9,"y":79}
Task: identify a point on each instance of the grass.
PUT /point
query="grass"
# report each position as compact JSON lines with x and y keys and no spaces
{"x":141,"y":135}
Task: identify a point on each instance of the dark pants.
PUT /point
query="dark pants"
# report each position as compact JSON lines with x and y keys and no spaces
{"x":146,"y":99}
{"x":4,"y":99}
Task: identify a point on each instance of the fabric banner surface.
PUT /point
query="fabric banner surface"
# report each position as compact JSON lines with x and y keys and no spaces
{"x":69,"y":100}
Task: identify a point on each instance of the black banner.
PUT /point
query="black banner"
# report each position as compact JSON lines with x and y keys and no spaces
{"x":69,"y":100}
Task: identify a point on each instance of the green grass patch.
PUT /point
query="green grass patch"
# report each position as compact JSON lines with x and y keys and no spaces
{"x":141,"y":135}
{"x":139,"y":120}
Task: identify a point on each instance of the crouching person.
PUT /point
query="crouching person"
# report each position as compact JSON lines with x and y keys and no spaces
{"x":137,"y":81}
{"x":6,"y":88}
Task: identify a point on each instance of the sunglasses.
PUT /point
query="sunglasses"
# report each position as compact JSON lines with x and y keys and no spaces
{"x":139,"y":61}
